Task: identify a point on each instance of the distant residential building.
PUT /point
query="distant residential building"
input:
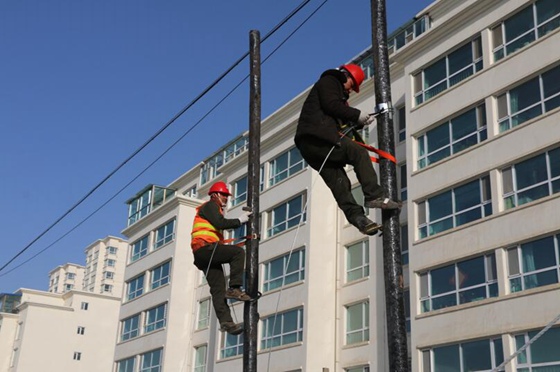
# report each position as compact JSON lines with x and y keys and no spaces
{"x":104,"y":269}
{"x":71,"y":331}
{"x":66,"y":277}
{"x":73,"y":326}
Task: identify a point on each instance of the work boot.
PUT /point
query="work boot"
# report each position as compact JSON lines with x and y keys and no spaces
{"x":237,"y":294}
{"x":231,"y":328}
{"x":367,"y":226}
{"x":383,"y":203}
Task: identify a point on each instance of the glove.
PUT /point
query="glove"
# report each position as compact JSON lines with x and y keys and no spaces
{"x":244,"y":217}
{"x":364,"y":118}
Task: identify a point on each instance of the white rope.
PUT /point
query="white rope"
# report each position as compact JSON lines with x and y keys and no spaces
{"x":527,"y":344}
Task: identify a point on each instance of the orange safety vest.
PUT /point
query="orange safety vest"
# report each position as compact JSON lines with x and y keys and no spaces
{"x":203,"y":232}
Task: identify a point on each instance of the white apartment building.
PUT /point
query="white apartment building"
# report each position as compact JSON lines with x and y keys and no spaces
{"x":66,"y":277}
{"x":71,"y":331}
{"x":476,"y":91}
{"x":105,"y":263}
{"x":67,"y":328}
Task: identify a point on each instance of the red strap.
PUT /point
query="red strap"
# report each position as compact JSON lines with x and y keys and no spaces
{"x":240,"y":244}
{"x":383,"y":154}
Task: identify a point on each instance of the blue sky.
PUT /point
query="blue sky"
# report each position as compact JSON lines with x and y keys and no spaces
{"x":83,"y":84}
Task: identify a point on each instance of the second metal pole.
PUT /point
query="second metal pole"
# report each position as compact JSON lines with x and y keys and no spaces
{"x":394,"y":304}
{"x":251,"y":315}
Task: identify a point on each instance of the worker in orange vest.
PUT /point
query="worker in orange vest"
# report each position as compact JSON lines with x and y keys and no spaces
{"x":210,"y":253}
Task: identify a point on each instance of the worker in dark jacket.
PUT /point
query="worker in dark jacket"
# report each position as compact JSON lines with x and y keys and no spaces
{"x":324,"y":112}
{"x":209,"y":254}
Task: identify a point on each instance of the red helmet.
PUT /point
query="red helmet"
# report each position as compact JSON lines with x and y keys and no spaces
{"x":356,"y":73}
{"x":220,"y":187}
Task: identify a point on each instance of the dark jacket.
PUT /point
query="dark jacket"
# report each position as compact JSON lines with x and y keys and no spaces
{"x":325,"y":108}
{"x":212,"y":212}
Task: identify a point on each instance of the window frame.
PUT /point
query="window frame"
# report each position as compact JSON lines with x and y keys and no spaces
{"x":293,"y":166}
{"x":164,"y":234}
{"x":363,"y":268}
{"x":276,"y":227}
{"x":428,"y":227}
{"x":268,"y":282}
{"x":268,"y":325}
{"x":447,"y":148}
{"x":490,"y":284}
{"x":512,"y":198}
{"x":363,"y":329}
{"x":160,"y":320}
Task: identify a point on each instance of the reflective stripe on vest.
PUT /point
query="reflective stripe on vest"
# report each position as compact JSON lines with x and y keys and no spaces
{"x":203,"y":232}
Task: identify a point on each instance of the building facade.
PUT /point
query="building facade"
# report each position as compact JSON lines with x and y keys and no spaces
{"x":73,"y":326}
{"x":475,"y":95}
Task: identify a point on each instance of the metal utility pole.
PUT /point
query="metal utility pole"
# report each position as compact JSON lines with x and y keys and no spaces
{"x":394,"y":304}
{"x":251,"y":315}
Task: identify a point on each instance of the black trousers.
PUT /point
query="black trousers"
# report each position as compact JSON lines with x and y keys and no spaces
{"x":209,"y":259}
{"x":315,"y":151}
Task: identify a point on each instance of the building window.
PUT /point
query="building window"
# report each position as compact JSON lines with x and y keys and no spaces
{"x":139,"y":249}
{"x":404,"y":244}
{"x":164,"y":234}
{"x":286,"y":215}
{"x":284,"y":270}
{"x":357,"y":369}
{"x":403,"y":187}
{"x":285,"y":165}
{"x":126,"y":365}
{"x":357,"y":261}
{"x":358,"y":195}
{"x":543,"y":354}
{"x":77,"y":355}
{"x":81,"y":330}
{"x":112,"y":250}
{"x":408,"y":33}
{"x":200,"y":358}
{"x":107,"y":288}
{"x":108,"y":274}
{"x":130,"y":327}
{"x":70,"y":276}
{"x":401,"y":122}
{"x":84,"y":306}
{"x":239,"y":191}
{"x":147,"y":200}
{"x":534,"y":264}
{"x":155,"y":318}
{"x":480,"y":355}
{"x":453,"y":136}
{"x":531,"y":179}
{"x":191,"y":192}
{"x":203,"y":314}
{"x":448,"y":71}
{"x":406,"y":300}
{"x":68,"y":287}
{"x":151,"y":361}
{"x":463,"y":282}
{"x":160,"y":275}
{"x":357,"y":323}
{"x":524,"y":27}
{"x":232,"y":345}
{"x":110,"y":263}
{"x":135,"y":288}
{"x":282,"y":329}
{"x":455,"y":207}
{"x":529,"y":100}
{"x":239,"y":234}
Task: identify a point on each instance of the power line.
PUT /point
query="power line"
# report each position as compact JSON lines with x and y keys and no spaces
{"x":154,"y":136}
